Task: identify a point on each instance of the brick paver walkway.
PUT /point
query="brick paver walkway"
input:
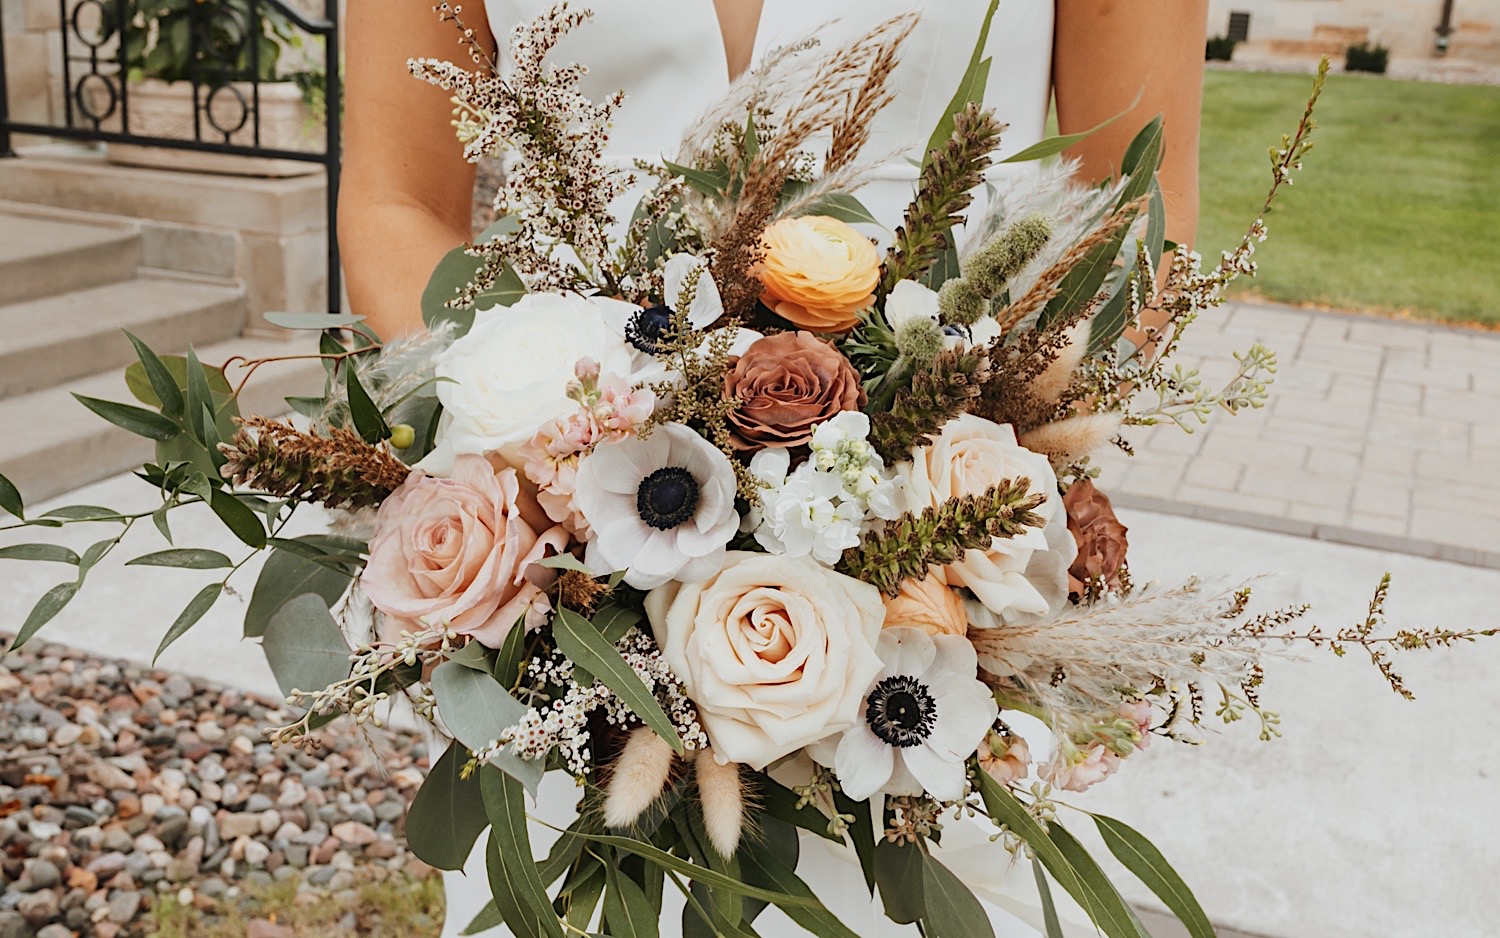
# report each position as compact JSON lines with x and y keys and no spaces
{"x":1379,"y":433}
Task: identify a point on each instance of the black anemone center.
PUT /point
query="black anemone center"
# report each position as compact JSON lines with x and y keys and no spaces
{"x":667,"y":497}
{"x":648,"y":328}
{"x":901,"y":711}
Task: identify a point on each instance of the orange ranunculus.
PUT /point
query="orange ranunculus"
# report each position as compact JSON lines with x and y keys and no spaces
{"x":928,"y":604}
{"x":818,"y":272}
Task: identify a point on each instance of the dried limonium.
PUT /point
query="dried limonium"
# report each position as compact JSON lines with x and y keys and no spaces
{"x":558,"y":184}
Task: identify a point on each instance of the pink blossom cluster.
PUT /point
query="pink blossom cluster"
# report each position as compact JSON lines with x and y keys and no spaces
{"x":609,"y":409}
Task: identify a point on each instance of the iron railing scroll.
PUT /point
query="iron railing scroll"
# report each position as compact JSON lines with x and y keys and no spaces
{"x":225,"y":49}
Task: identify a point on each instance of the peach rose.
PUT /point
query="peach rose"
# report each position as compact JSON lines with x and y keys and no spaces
{"x":459,"y":552}
{"x":928,"y":604}
{"x":818,"y":272}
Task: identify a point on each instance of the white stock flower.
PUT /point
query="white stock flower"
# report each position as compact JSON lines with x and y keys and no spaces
{"x":775,"y":653}
{"x":923,"y":716}
{"x":660,"y":508}
{"x":509,"y":375}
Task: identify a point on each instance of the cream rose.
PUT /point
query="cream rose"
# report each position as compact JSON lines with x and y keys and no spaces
{"x":509,"y":375}
{"x":928,"y":604}
{"x":818,"y":272}
{"x":1025,"y":575}
{"x":459,"y":552}
{"x":776,"y":653}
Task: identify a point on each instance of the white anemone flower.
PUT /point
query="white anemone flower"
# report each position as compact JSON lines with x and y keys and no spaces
{"x":643,"y":328}
{"x":924,"y":716}
{"x":660,"y":508}
{"x":910,"y":300}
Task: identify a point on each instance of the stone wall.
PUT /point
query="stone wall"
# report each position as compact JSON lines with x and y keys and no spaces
{"x":1408,"y":27}
{"x":33,"y":60}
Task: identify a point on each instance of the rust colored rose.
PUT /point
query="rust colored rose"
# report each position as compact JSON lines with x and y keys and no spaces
{"x":928,"y":604}
{"x":1100,"y":536}
{"x":787,"y":384}
{"x":818,"y":272}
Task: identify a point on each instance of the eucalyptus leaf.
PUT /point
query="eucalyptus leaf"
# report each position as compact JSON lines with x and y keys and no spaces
{"x":613,"y":621}
{"x":141,"y":422}
{"x":138,"y":381}
{"x":898,"y":873}
{"x":1004,"y":808}
{"x":10,"y":499}
{"x":816,"y":919}
{"x":52,"y":553}
{"x":970,"y":87}
{"x":476,"y":709}
{"x":44,"y":611}
{"x":196,"y":609}
{"x":1143,"y":859}
{"x":840,"y":205}
{"x":861,"y":832}
{"x":627,"y":911}
{"x":1052,"y":926}
{"x":780,"y":802}
{"x":286,"y":575}
{"x":312,"y":320}
{"x":489,"y":917}
{"x":712,"y":184}
{"x":186,"y":558}
{"x":583,"y":645}
{"x":700,"y":874}
{"x":1051,"y":146}
{"x":952,"y":911}
{"x":510,"y":844}
{"x":583,"y":895}
{"x":447,"y":815}
{"x":1100,"y":897}
{"x":564,"y":562}
{"x":304,"y":645}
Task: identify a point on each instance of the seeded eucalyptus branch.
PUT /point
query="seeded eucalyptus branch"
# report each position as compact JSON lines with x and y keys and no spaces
{"x":944,"y":193}
{"x":909,"y":545}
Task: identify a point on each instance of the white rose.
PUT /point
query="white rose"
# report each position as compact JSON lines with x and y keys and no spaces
{"x":970,"y":455}
{"x":509,"y":375}
{"x":775,"y":653}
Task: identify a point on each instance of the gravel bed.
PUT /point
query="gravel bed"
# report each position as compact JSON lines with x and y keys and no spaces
{"x":120,"y":784}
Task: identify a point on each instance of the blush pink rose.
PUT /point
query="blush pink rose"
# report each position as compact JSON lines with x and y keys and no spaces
{"x":460,"y":552}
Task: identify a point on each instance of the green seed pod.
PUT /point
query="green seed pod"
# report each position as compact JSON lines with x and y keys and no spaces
{"x":920,"y":340}
{"x":959,"y":304}
{"x":402,"y":436}
{"x":992,"y":266}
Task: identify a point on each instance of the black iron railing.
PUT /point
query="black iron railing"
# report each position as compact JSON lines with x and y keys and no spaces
{"x":221,"y":49}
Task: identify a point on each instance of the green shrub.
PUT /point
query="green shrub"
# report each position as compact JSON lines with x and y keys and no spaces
{"x":1220,"y":48}
{"x":1367,"y":57}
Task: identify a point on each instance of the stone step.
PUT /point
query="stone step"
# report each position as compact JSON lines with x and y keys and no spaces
{"x":42,"y":257}
{"x":54,"y":445}
{"x":47,"y":341}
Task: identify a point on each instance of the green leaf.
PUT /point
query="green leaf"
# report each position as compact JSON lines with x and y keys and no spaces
{"x":93,"y":554}
{"x":284,"y":576}
{"x":367,"y":420}
{"x":10,"y":499}
{"x":952,"y":911}
{"x":455,"y":271}
{"x":507,"y":290}
{"x":1049,"y":909}
{"x":447,"y":815}
{"x":970,"y":87}
{"x":1051,"y":146}
{"x":817,"y":920}
{"x":583,"y":896}
{"x":944,"y":268}
{"x":139,"y":381}
{"x":710,"y":183}
{"x":43,"y":612}
{"x":511,"y":845}
{"x":861,"y":832}
{"x":238,"y":517}
{"x":312,"y":320}
{"x":159,"y":518}
{"x":477,"y":710}
{"x":1104,"y":903}
{"x":196,"y":609}
{"x":1141,"y":160}
{"x":614,"y":621}
{"x":304,"y":646}
{"x":585,"y":647}
{"x":488,"y":917}
{"x":564,"y":562}
{"x":780,"y":802}
{"x":840,"y":205}
{"x":163,"y":385}
{"x":199,"y":394}
{"x":1141,"y":858}
{"x":472,"y":655}
{"x":509,"y":661}
{"x":898,"y":872}
{"x":138,"y":420}
{"x":697,"y":873}
{"x":53,"y":553}
{"x":186,"y":558}
{"x":1004,"y":809}
{"x":627,"y":911}
{"x":85,"y":513}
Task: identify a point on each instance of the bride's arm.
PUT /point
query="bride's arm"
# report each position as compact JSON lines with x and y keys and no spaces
{"x":407,"y":191}
{"x":1108,"y":51}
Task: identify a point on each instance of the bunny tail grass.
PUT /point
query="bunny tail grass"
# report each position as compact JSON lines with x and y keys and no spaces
{"x":1071,"y":439}
{"x":638,"y":778}
{"x":723,"y":797}
{"x":1053,"y":383}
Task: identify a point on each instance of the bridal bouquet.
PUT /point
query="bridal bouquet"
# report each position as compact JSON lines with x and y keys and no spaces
{"x":744,"y":523}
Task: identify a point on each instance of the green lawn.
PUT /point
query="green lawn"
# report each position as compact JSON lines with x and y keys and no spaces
{"x":1397,"y":208}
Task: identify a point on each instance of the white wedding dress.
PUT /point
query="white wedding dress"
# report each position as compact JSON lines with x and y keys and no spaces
{"x":668,"y":56}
